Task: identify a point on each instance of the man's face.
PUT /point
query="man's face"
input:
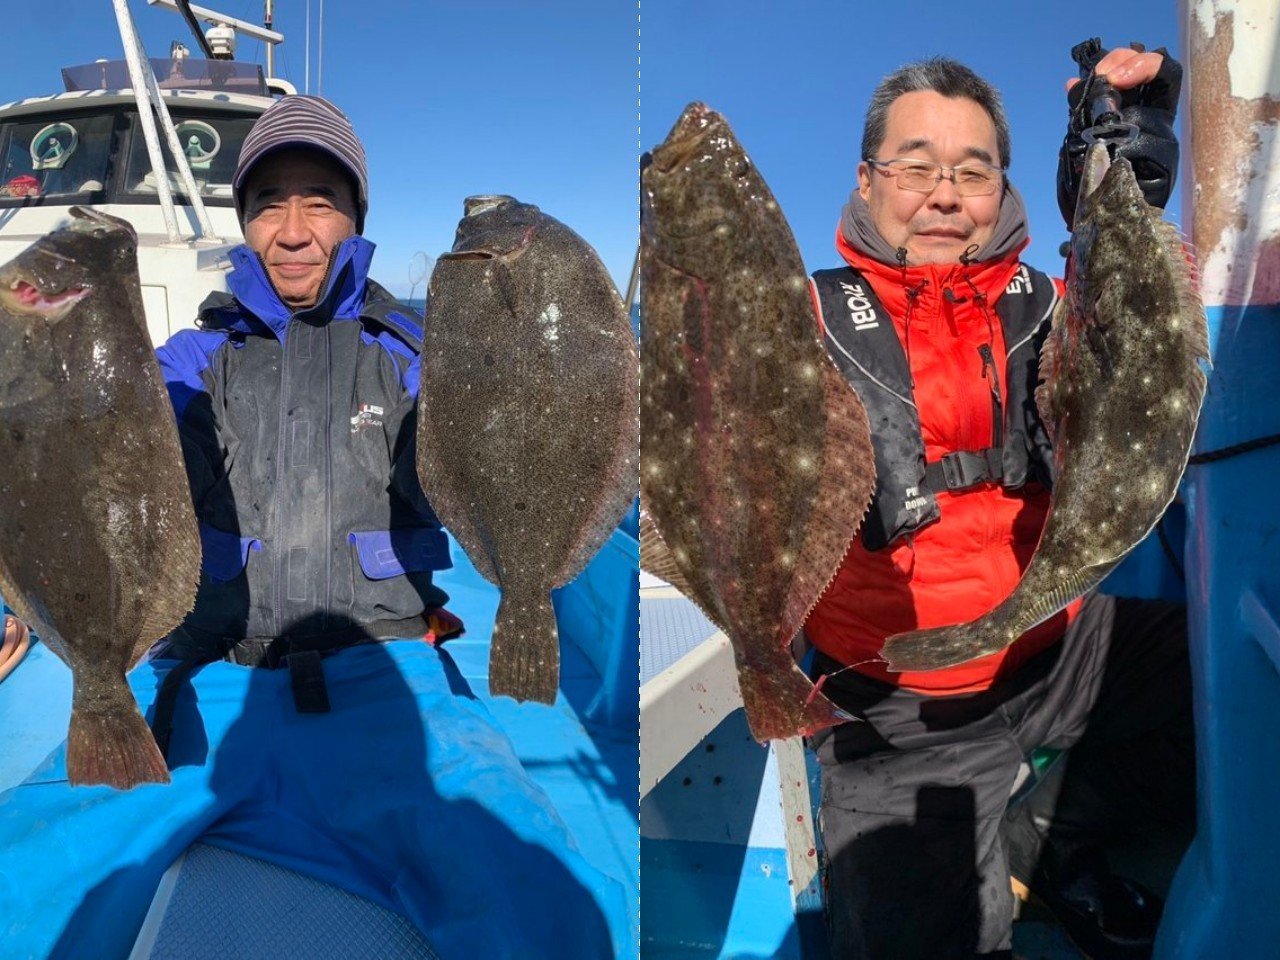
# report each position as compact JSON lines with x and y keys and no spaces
{"x":298,"y":206}
{"x":934,"y":227}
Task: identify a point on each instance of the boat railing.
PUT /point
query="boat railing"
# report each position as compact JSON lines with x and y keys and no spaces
{"x":151,"y":106}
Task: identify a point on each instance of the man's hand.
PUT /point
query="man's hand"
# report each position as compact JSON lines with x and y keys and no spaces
{"x":1147,"y":85}
{"x":1125,"y":68}
{"x":14,"y":641}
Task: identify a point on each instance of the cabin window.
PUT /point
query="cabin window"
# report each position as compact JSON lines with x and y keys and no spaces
{"x":55,"y":158}
{"x":211,"y":144}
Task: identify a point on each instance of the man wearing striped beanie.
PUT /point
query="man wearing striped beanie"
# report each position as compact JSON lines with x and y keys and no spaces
{"x":301,"y":188}
{"x":295,"y":401}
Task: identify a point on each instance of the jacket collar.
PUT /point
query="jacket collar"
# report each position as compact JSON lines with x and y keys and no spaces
{"x":343,"y":296}
{"x":929,"y":283}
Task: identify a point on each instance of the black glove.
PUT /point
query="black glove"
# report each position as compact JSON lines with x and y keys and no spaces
{"x":1150,"y":107}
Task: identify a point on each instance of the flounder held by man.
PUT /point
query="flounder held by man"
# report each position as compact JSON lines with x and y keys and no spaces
{"x":528,"y":419}
{"x":756,"y":461}
{"x":1122,"y":385}
{"x":99,"y":548}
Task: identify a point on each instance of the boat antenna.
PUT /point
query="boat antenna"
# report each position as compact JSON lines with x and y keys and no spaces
{"x":320,"y":53}
{"x":271,"y":50}
{"x":184,"y":7}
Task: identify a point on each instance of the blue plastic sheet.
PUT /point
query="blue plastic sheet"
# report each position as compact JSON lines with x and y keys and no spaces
{"x":405,"y":793}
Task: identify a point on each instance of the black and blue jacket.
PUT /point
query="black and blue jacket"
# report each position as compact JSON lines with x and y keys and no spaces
{"x":298,"y":431}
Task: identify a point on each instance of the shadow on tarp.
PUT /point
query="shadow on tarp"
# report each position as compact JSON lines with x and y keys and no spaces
{"x":404,"y":793}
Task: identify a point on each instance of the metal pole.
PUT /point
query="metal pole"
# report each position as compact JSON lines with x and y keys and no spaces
{"x":184,"y":7}
{"x":306,"y":72}
{"x":138,"y":79}
{"x":320,"y":53}
{"x":180,"y":159}
{"x":1223,"y":899}
{"x":634,"y":283}
{"x":271,"y":47}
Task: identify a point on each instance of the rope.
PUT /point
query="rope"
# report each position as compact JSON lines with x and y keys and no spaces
{"x":1235,"y":450}
{"x":1169,"y":552}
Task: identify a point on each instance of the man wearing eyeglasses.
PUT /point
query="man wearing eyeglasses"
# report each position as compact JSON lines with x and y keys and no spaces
{"x":937,"y":323}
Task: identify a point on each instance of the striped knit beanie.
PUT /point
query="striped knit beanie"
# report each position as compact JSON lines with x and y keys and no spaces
{"x":305,"y":121}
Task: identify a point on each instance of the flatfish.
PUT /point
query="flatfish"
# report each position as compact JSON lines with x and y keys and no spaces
{"x":1122,"y":384}
{"x":528,"y":419}
{"x":756,"y":460}
{"x":99,"y":548}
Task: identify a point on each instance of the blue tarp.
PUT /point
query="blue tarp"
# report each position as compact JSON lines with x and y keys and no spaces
{"x":416,"y":791}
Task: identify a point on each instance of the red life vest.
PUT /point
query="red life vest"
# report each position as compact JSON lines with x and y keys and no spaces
{"x":963,"y":564}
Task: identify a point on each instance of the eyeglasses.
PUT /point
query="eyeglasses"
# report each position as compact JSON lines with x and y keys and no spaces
{"x":923,"y":176}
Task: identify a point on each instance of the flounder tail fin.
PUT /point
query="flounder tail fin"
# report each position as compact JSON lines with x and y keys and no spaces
{"x":942,"y":646}
{"x":109,"y":742}
{"x":524,"y":656}
{"x":782,"y":702}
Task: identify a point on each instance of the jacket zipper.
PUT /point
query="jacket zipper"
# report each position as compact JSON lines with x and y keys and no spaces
{"x":282,"y":571}
{"x":992,"y":376}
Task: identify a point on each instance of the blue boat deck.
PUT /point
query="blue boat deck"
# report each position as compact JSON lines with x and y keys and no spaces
{"x":581,"y":751}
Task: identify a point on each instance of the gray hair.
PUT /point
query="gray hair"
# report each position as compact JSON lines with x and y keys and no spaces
{"x":951,"y":78}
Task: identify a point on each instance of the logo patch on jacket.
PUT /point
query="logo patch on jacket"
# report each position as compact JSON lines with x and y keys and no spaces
{"x":861,"y":312}
{"x":368,"y":416}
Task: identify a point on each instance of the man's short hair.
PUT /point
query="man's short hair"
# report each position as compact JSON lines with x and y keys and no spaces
{"x":951,"y":78}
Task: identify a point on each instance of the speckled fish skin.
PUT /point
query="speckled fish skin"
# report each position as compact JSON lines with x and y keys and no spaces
{"x":1121,"y":394}
{"x":99,"y":548}
{"x":528,"y":419}
{"x":756,"y":462}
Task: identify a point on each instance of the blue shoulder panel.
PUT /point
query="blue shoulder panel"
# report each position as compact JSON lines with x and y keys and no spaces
{"x":183,"y":360}
{"x":410,"y":326}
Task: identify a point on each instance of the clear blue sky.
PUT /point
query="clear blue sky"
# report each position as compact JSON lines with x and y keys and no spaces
{"x":538,"y":99}
{"x":452,"y":98}
{"x":794,"y":79}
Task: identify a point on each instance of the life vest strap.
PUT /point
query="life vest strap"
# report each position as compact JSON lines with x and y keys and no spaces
{"x":964,"y":469}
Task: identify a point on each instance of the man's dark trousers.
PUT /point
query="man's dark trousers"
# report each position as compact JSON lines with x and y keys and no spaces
{"x":914,"y":796}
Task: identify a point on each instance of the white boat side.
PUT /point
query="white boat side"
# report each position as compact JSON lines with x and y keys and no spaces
{"x":175,"y":276}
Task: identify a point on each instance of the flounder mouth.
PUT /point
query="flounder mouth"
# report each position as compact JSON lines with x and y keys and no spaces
{"x":88,"y":220}
{"x":686,"y":138}
{"x":1097,"y":161}
{"x":493,"y":252}
{"x":472,"y":206}
{"x":21,"y":295}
